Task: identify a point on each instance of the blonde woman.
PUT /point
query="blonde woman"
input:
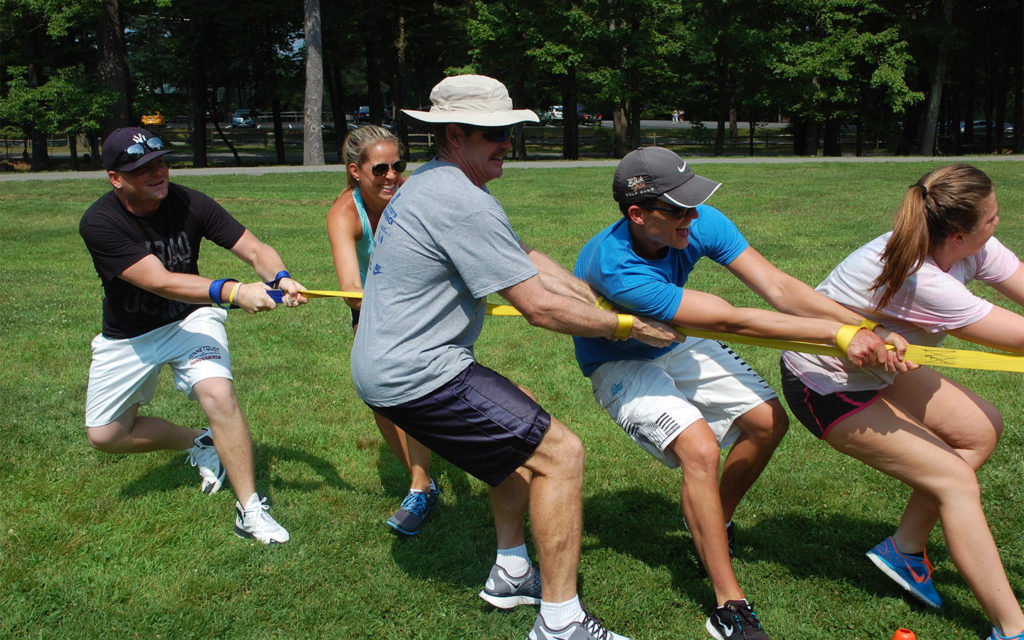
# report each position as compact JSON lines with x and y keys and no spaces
{"x":374,"y":169}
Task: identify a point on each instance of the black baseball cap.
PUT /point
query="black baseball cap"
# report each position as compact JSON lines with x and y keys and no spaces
{"x":131,"y":147}
{"x":650,"y":173}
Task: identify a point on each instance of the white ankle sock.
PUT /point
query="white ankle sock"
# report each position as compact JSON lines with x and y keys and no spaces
{"x":514,"y":561}
{"x":561,"y":615}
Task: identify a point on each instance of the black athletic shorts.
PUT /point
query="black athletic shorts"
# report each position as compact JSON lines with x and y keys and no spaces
{"x":820,"y":413}
{"x":480,"y":421}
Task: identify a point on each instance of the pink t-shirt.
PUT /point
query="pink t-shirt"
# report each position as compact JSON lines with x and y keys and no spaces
{"x":930,"y":303}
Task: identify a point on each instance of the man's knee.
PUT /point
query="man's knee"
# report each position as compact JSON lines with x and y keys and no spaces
{"x":697,"y":450}
{"x":560,"y":450}
{"x":217,"y":395}
{"x":105,"y":438}
{"x":765,"y":424}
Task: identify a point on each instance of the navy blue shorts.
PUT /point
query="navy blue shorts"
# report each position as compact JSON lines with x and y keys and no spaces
{"x":480,"y":422}
{"x":355,"y":316}
{"x":820,"y":413}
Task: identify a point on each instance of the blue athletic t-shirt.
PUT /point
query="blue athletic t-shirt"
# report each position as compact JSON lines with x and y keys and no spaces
{"x":651,"y":288}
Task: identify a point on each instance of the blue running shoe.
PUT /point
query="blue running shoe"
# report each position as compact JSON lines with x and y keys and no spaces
{"x":910,"y":572}
{"x":997,"y":636}
{"x":413,"y":513}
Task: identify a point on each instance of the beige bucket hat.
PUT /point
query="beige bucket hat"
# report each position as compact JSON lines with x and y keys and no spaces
{"x":471,"y":99}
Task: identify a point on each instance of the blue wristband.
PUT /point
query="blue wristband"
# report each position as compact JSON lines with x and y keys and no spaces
{"x":277,"y":278}
{"x":215,"y":288}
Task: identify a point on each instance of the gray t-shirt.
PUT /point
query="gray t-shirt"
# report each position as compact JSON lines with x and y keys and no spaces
{"x":442,"y":245}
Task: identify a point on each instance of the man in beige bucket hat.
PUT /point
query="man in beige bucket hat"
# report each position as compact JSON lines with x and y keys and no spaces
{"x":442,"y":246}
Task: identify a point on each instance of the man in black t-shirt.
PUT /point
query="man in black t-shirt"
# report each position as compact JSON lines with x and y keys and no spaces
{"x":144,"y":238}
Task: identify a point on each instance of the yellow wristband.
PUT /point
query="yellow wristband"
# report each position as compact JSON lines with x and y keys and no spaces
{"x":867,"y":324}
{"x":234,"y":290}
{"x":625,"y":326}
{"x":845,"y":335}
{"x":603,"y":304}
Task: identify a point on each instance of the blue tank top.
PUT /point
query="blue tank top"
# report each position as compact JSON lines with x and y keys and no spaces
{"x":365,"y":244}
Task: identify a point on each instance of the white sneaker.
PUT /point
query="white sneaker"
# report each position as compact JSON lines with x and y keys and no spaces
{"x":204,"y":456}
{"x":254,"y":521}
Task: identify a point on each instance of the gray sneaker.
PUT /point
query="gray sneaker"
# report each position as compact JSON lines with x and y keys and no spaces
{"x":505,"y":592}
{"x":590,"y":628}
{"x":204,"y":456}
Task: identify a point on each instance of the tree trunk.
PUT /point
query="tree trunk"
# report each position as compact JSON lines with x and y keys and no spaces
{"x":931,"y":118}
{"x":398,"y":89}
{"x":112,"y":66}
{"x":312,"y":136}
{"x":570,"y":120}
{"x":620,"y":142}
{"x":336,"y":93}
{"x":832,"y":145}
{"x":197,"y":84}
{"x":275,"y":105}
{"x":372,"y":35}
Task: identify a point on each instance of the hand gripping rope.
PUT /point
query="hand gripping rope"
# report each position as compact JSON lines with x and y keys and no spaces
{"x":932,"y":356}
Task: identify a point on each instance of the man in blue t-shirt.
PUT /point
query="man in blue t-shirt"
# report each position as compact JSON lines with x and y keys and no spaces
{"x":684,"y":402}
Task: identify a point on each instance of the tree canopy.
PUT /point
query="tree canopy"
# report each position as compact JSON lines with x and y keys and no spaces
{"x":906,"y":70}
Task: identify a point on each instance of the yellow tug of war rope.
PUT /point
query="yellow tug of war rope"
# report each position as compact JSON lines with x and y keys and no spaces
{"x":931,"y":356}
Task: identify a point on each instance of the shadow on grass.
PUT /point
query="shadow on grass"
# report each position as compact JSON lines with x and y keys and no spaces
{"x":831,"y":547}
{"x":176,"y":472}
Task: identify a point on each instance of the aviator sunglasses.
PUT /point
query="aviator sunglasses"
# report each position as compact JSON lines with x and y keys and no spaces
{"x":382,"y":168}
{"x":139,"y":149}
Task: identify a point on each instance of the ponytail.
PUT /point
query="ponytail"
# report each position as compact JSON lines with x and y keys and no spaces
{"x":943,"y":202}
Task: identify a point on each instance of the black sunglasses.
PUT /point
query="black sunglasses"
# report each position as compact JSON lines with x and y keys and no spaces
{"x":675,"y":212}
{"x":382,"y":168}
{"x":491,"y":134}
{"x":139,"y":149}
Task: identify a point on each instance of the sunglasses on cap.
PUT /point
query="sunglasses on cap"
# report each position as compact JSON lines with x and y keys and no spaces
{"x":139,"y":149}
{"x":381,"y":169}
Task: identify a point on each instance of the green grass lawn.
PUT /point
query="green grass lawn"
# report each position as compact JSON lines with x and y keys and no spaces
{"x":102,"y":546}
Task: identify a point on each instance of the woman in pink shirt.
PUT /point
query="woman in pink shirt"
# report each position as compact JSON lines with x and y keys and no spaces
{"x":921,"y":427}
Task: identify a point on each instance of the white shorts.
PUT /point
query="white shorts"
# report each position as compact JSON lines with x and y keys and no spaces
{"x":124,"y":372}
{"x":655,"y":400}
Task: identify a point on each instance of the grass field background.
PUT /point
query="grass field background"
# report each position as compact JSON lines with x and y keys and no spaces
{"x":102,"y":546}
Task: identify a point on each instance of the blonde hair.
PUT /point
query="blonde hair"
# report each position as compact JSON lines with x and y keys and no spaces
{"x":943,"y":202}
{"x":358,"y":141}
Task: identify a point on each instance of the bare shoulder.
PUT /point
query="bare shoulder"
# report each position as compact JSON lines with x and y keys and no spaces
{"x":343,"y":216}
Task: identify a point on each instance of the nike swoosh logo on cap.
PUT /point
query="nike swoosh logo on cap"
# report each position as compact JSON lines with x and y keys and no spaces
{"x":682,"y":168}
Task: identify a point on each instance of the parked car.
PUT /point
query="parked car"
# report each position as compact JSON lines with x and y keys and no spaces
{"x":587,"y":117}
{"x":154,"y":119}
{"x":978,"y":127}
{"x":551,"y":115}
{"x":555,"y":114}
{"x":244,"y":118}
{"x":363,"y":115}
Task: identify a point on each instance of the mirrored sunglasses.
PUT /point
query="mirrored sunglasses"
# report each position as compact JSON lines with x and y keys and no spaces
{"x":139,"y":149}
{"x":382,"y":168}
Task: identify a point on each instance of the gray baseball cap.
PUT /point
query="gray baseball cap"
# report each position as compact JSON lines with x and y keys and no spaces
{"x":648,"y":173}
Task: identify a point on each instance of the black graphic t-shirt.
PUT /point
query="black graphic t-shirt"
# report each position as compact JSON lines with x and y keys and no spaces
{"x":117,"y":239}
